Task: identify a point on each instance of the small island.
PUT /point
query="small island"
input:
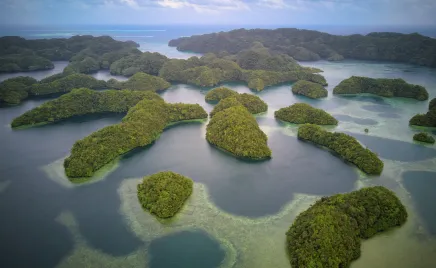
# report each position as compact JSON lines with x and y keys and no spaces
{"x":164,"y":194}
{"x":251,"y":102}
{"x":83,"y":101}
{"x":428,"y":119}
{"x":383,"y":87}
{"x":140,"y":81}
{"x":345,"y":146}
{"x":329,"y":233}
{"x":146,"y":62}
{"x":64,"y":84}
{"x":219,"y":93}
{"x":302,"y":113}
{"x":309,"y":89}
{"x":14,"y":90}
{"x":423,"y":137}
{"x":142,"y":125}
{"x":236,"y":131}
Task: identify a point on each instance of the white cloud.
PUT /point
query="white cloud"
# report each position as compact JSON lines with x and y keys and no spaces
{"x":131,"y":3}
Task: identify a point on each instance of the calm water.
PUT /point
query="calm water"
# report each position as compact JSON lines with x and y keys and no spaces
{"x":239,"y":211}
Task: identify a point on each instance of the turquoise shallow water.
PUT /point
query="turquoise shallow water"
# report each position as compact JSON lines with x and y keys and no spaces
{"x":241,"y":208}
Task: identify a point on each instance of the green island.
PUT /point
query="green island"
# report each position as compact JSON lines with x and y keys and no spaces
{"x":251,"y":102}
{"x":423,"y":137}
{"x":14,"y":90}
{"x":428,"y":119}
{"x":309,"y":45}
{"x":140,"y":81}
{"x":236,"y":131}
{"x":303,"y":113}
{"x":382,"y":87}
{"x":81,"y":102}
{"x":142,"y":125}
{"x":86,"y":53}
{"x":163,"y":194}
{"x":211,"y":70}
{"x":345,"y":146}
{"x":329,"y":233}
{"x":309,"y":89}
{"x":145,"y":62}
{"x":219,"y":93}
{"x":64,"y":84}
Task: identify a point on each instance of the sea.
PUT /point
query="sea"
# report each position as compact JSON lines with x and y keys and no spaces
{"x":240,"y":210}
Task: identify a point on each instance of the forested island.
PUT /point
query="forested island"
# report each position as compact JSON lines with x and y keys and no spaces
{"x":83,"y":101}
{"x":382,"y":87}
{"x":142,"y":125}
{"x":164,"y":194}
{"x":236,"y":131}
{"x":428,"y":119}
{"x":228,"y":98}
{"x":140,"y":81}
{"x":303,"y":113}
{"x":423,"y":137}
{"x":309,"y":89}
{"x":86,"y":53}
{"x":345,"y":146}
{"x":329,"y":233}
{"x":14,"y":90}
{"x":308,"y":45}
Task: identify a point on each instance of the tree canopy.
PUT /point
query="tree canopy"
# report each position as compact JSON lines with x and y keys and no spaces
{"x":163,"y":194}
{"x":140,"y":81}
{"x":423,"y":137}
{"x":308,"y":45}
{"x":309,"y":89}
{"x":14,"y":90}
{"x":302,"y":113}
{"x":382,"y":87}
{"x":328,"y":234}
{"x":345,"y":146}
{"x":428,"y":119}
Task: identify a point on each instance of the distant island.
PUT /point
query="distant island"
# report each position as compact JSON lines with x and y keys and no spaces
{"x":163,"y":194}
{"x":309,"y":89}
{"x":83,"y":101}
{"x":303,"y":113}
{"x":86,"y":53}
{"x":329,"y":233}
{"x":383,"y":87}
{"x":308,"y":45}
{"x":142,"y":125}
{"x":345,"y":146}
{"x":428,"y":119}
{"x":236,"y":131}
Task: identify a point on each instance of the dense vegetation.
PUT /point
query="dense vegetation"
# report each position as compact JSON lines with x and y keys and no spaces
{"x":66,"y":84}
{"x":382,"y":87}
{"x":345,"y":146}
{"x":86,"y":53}
{"x":307,"y":45}
{"x":210,"y":70}
{"x":236,"y":131}
{"x":163,"y":194}
{"x":423,"y":137}
{"x":142,"y":125}
{"x":83,"y":101}
{"x":14,"y":90}
{"x":428,"y":119}
{"x":309,"y":89}
{"x":329,"y":233}
{"x":146,"y":62}
{"x":302,"y":113}
{"x":140,"y":81}
{"x":219,"y":93}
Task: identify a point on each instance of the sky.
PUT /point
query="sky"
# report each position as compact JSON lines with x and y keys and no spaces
{"x":217,"y":12}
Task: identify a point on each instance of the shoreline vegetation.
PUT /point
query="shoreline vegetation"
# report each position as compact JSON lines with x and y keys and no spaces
{"x":424,"y":137}
{"x":309,"y":89}
{"x":329,"y":233}
{"x":142,"y":125}
{"x":309,"y":45}
{"x":163,"y":194}
{"x":345,"y":146}
{"x":383,"y":87}
{"x":302,"y":113}
{"x":425,"y":120}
